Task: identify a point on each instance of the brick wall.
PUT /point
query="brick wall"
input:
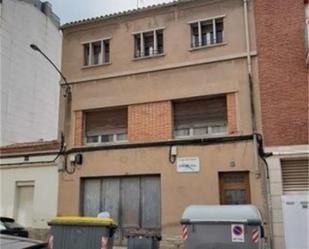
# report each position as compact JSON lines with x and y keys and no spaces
{"x":79,"y":128}
{"x":150,"y":122}
{"x":283,"y":75}
{"x":231,"y":113}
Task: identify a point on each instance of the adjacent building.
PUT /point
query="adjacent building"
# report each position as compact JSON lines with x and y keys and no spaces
{"x":29,"y":184}
{"x":161,"y":114}
{"x":28,"y":81}
{"x":29,"y":113}
{"x":283,"y":82}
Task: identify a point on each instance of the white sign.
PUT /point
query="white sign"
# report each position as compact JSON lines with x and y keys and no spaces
{"x":188,"y":164}
{"x":238,"y":233}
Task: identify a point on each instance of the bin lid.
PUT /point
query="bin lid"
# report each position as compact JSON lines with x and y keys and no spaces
{"x":77,"y":220}
{"x":221,"y":213}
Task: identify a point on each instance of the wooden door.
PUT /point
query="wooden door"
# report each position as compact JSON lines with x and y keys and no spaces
{"x":234,"y":188}
{"x":134,"y":202}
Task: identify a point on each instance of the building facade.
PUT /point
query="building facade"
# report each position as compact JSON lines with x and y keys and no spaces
{"x":283,"y":80}
{"x":29,"y":185}
{"x":160,"y":112}
{"x":28,"y":81}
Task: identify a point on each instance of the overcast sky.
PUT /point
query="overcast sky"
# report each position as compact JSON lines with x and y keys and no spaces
{"x":72,"y":10}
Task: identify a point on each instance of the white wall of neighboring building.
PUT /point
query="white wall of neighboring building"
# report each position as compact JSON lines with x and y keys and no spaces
{"x":29,"y":84}
{"x":277,"y":194}
{"x":45,"y":181}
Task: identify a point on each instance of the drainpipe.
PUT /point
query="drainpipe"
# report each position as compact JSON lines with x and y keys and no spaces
{"x":253,"y":120}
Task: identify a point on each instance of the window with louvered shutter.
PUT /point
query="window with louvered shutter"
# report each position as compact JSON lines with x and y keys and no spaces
{"x":106,"y":126}
{"x":204,"y":117}
{"x":295,"y":175}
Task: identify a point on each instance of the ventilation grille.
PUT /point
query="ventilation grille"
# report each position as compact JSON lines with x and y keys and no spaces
{"x":295,"y":175}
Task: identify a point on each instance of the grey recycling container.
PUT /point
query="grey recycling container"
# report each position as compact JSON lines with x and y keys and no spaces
{"x":143,"y":240}
{"x":222,"y":227}
{"x":81,"y":233}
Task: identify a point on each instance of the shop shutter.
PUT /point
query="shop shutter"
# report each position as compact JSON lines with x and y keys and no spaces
{"x":295,"y":175}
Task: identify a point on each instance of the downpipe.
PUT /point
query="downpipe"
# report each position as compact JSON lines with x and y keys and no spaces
{"x":257,"y":138}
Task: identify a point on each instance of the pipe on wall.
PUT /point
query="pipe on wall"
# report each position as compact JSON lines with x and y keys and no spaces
{"x":254,"y":123}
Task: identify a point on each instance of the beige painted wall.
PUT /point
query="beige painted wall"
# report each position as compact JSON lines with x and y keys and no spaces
{"x":177,"y":37}
{"x":179,"y":74}
{"x":213,"y":70}
{"x":178,"y":190}
{"x":194,"y":81}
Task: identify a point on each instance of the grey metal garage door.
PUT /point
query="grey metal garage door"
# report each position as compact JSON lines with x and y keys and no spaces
{"x":134,"y":202}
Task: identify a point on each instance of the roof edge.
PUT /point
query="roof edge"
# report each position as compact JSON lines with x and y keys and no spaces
{"x":123,"y":13}
{"x":29,"y":147}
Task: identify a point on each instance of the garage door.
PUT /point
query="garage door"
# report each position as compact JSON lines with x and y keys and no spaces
{"x":295,"y":202}
{"x":134,"y":202}
{"x":295,"y":175}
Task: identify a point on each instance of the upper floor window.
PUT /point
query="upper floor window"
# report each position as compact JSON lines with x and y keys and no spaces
{"x":198,"y":118}
{"x":106,"y":126}
{"x":96,"y":53}
{"x":208,"y":32}
{"x":148,"y":43}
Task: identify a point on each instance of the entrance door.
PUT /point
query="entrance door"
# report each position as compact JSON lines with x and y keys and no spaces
{"x":234,"y":188}
{"x":24,"y":203}
{"x":133,"y":202}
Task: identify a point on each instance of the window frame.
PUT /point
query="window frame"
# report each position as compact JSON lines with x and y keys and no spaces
{"x":99,"y":135}
{"x":90,"y":56}
{"x":209,"y":133}
{"x":155,"y":52}
{"x":209,"y":125}
{"x":200,"y":38}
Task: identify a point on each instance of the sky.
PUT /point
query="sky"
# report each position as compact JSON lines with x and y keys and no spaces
{"x":73,"y":10}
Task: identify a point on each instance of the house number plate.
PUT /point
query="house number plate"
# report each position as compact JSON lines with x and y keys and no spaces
{"x":188,"y":164}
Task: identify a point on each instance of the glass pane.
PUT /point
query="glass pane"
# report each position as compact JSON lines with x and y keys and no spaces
{"x":200,"y":131}
{"x":159,"y":42}
{"x":148,"y":43}
{"x":219,"y":30}
{"x":106,"y":138}
{"x":96,"y":53}
{"x":137,"y":40}
{"x":122,"y":137}
{"x":207,"y":33}
{"x":194,"y":35}
{"x":106,"y":51}
{"x":232,"y":197}
{"x":218,"y":129}
{"x":182,"y":132}
{"x":86,"y":54}
{"x":92,"y":139}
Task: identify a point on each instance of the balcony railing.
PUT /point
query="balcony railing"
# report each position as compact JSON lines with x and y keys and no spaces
{"x":148,"y":52}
